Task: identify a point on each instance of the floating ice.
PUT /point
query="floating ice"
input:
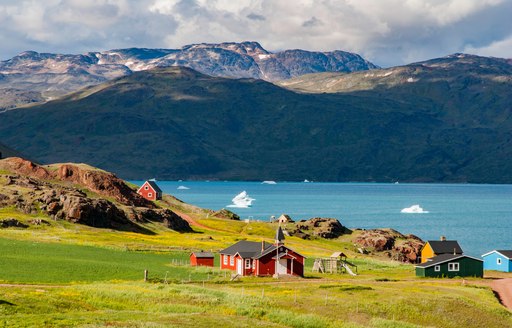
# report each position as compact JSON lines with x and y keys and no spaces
{"x":183,"y":188}
{"x":413,"y":209}
{"x":242,"y":200}
{"x":268,"y":182}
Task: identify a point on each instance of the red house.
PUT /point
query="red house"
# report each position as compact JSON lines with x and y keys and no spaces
{"x":150,"y":190}
{"x":201,"y":259}
{"x":262,"y":259}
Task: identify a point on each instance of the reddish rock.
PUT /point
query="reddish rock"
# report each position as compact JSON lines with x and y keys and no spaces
{"x":103,"y":183}
{"x":404,"y":248}
{"x":24,"y":167}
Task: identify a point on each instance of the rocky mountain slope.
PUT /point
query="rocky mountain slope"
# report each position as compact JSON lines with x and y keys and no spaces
{"x":31,"y":76}
{"x":79,"y":194}
{"x":452,"y":123}
{"x":454,"y":71}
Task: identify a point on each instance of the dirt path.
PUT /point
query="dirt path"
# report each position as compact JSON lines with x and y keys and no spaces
{"x":503,"y":287}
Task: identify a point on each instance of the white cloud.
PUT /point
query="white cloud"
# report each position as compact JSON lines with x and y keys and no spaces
{"x":388,"y":32}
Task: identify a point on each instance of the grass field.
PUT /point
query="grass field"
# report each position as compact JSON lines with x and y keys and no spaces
{"x":62,"y":275}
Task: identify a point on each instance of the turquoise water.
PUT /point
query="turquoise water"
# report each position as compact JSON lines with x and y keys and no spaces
{"x":478,"y":216}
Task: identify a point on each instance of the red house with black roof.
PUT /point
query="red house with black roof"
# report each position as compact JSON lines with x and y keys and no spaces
{"x":263,"y":259}
{"x":150,"y":190}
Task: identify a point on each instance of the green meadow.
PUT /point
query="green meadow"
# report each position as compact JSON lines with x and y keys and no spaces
{"x":66,"y":275}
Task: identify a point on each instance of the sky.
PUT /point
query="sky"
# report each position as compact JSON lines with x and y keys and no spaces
{"x":386,"y":32}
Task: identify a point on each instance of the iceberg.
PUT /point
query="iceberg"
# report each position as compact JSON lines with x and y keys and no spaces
{"x":413,"y":209}
{"x":182,"y":188}
{"x":269,"y":182}
{"x":242,"y":200}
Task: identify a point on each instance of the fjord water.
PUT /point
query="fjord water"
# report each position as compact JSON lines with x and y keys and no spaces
{"x":478,"y":216}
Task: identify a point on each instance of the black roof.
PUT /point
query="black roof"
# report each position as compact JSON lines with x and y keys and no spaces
{"x":154,"y":186}
{"x":506,"y":253}
{"x":445,"y":246}
{"x":246,"y":248}
{"x":203,"y":254}
{"x":444,"y":258}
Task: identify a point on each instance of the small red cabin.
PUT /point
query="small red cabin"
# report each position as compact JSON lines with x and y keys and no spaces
{"x":201,"y":259}
{"x":262,"y":259}
{"x":150,"y":190}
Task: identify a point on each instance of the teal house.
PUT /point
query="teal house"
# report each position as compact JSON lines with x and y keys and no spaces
{"x":499,"y":260}
{"x":451,"y":265}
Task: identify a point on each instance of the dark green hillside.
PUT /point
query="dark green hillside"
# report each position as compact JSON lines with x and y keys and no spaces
{"x":8,"y":152}
{"x":175,"y":123}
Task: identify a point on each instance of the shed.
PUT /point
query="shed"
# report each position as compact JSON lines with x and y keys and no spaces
{"x":201,"y":259}
{"x":150,"y":190}
{"x":285,"y":218}
{"x":438,"y":247}
{"x":499,"y":260}
{"x":449,"y":265}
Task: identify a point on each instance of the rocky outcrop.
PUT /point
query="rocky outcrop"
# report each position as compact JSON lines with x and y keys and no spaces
{"x":23,"y":167}
{"x":404,"y":248}
{"x":63,"y":201}
{"x":319,"y":227}
{"x":103,"y":183}
{"x":226,"y":214}
{"x":170,"y":219}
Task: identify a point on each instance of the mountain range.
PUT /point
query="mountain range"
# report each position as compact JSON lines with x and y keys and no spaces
{"x":32,"y":77}
{"x":443,"y":120}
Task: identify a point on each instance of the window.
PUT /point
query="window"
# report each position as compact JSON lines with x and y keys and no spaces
{"x":453,"y":266}
{"x":231,"y":260}
{"x":150,"y":194}
{"x":254,"y":265}
{"x":498,"y":261}
{"x":247,"y":263}
{"x":146,"y":188}
{"x":437,"y":268}
{"x":225,"y":259}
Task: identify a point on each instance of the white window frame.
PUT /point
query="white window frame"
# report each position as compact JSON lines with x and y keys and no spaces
{"x":146,"y":188}
{"x":453,"y":266}
{"x":498,"y":261}
{"x":254,"y":264}
{"x":232,"y":260}
{"x":225,"y":259}
{"x":247,"y":263}
{"x":150,"y":194}
{"x":437,"y":268}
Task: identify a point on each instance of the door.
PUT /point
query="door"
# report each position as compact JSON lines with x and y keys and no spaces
{"x":282,"y":266}
{"x":240,"y":266}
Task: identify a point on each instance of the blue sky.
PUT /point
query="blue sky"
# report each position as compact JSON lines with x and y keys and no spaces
{"x":386,"y":32}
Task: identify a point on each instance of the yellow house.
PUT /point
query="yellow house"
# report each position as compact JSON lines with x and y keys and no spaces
{"x":437,"y":247}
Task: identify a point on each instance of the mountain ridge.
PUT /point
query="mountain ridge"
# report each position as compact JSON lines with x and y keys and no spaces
{"x":175,"y":123}
{"x":37,"y":76}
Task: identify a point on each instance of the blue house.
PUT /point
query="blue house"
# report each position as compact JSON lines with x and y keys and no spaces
{"x":498,"y":260}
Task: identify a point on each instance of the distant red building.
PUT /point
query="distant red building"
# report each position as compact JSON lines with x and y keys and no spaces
{"x":150,"y":190}
{"x":262,"y":259}
{"x":201,"y":259}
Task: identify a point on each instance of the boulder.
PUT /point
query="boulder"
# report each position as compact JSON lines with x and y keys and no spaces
{"x":404,"y":248}
{"x":321,"y":227}
{"x":11,"y":222}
